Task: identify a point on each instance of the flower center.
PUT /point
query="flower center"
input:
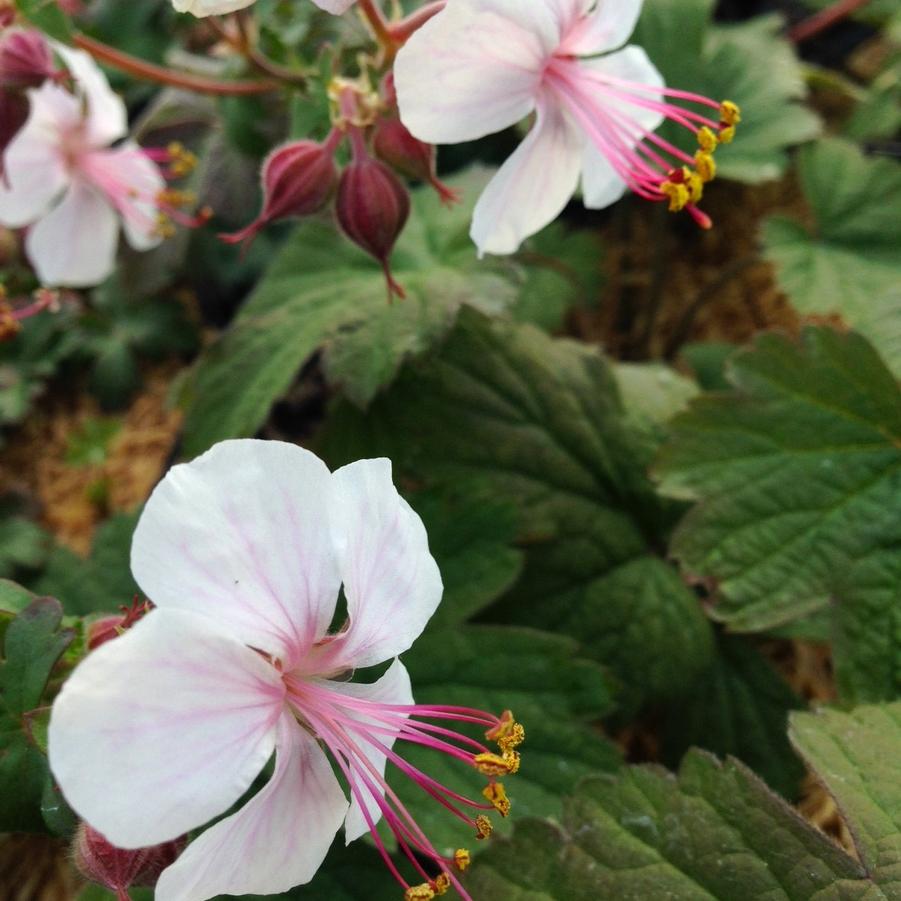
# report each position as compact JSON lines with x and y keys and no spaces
{"x":357,"y":732}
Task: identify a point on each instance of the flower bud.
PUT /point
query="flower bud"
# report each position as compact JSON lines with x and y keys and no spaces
{"x":116,"y":868}
{"x":298,"y":179}
{"x":25,"y":59}
{"x":393,"y":144}
{"x":372,"y":208}
{"x":105,"y":629}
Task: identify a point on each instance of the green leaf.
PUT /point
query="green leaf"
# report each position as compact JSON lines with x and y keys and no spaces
{"x":471,"y":536}
{"x":33,"y":643}
{"x":797,"y":473}
{"x":781,"y":537}
{"x":724,"y":63}
{"x":324,"y":293}
{"x":715,"y":833}
{"x":738,"y":707}
{"x":849,"y":262}
{"x":103,"y":582}
{"x":48,"y":17}
{"x":553,"y":693}
{"x":565,"y":269}
{"x":857,"y":757}
{"x":538,"y":423}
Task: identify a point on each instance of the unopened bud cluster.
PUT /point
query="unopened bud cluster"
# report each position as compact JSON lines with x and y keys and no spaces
{"x":371,"y":202}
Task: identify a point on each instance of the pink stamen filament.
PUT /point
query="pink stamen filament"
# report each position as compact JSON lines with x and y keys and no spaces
{"x":342,"y":746}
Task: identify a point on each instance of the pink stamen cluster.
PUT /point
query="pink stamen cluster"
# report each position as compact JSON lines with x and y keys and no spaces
{"x":12,"y":316}
{"x":652,"y":167}
{"x":355,"y":729}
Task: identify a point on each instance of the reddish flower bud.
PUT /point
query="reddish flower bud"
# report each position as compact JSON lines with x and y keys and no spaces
{"x":298,"y":179}
{"x":105,"y":629}
{"x":372,"y":208}
{"x":116,"y":868}
{"x":393,"y":143}
{"x":25,"y":59}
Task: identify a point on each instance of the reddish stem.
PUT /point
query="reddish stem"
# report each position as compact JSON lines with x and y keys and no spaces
{"x":402,"y":30}
{"x":140,"y":68}
{"x":813,"y":25}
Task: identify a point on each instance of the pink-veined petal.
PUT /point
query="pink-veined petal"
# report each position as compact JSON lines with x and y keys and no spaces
{"x":34,"y":161}
{"x":391,"y":581}
{"x":132,"y":182}
{"x":241,"y":534}
{"x":393,"y":688}
{"x":106,"y":118}
{"x":201,"y":8}
{"x":532,"y":186}
{"x":163,"y":728}
{"x":74,"y":245}
{"x":604,"y":29}
{"x":473,"y":69}
{"x":277,"y":840}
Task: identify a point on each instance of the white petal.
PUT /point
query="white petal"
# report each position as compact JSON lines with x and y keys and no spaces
{"x":532,"y":186}
{"x":277,"y":840}
{"x":107,"y":119}
{"x":473,"y":69}
{"x":391,"y":581}
{"x":134,"y":182}
{"x":162,"y":729}
{"x":241,"y":535}
{"x":393,"y":688}
{"x":34,"y":161}
{"x":74,"y":245}
{"x":604,"y":29}
{"x":202,"y":8}
{"x":601,"y":185}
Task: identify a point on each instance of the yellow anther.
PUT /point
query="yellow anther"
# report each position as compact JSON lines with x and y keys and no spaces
{"x":512,"y":759}
{"x":462,"y":859}
{"x":515,"y":737}
{"x":422,"y":892}
{"x":695,"y":185}
{"x":705,"y":165}
{"x":483,"y":827}
{"x":181,"y":161}
{"x":727,"y":134}
{"x":503,"y":727}
{"x":730,"y":113}
{"x":442,"y":884}
{"x":495,"y":793}
{"x":176,"y":198}
{"x":489,"y":764}
{"x":707,"y":140}
{"x":164,"y":227}
{"x":677,"y":194}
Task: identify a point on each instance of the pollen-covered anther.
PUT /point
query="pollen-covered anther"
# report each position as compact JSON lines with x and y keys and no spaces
{"x":181,"y":161}
{"x":174,"y":198}
{"x":705,"y":165}
{"x":495,"y":793}
{"x":695,"y":185}
{"x":483,"y":827}
{"x":442,"y":884}
{"x":489,"y":764}
{"x":515,"y":738}
{"x":462,"y":859}
{"x":730,"y":116}
{"x":677,"y":193}
{"x":164,"y":227}
{"x":423,"y":892}
{"x":707,"y":140}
